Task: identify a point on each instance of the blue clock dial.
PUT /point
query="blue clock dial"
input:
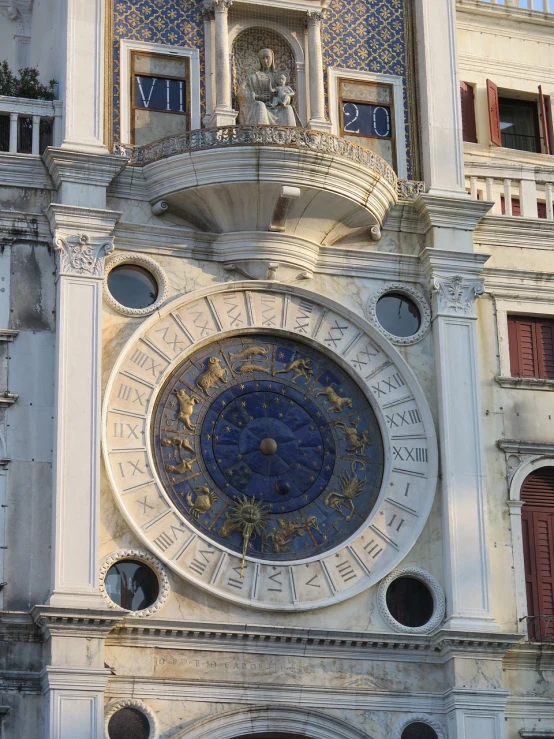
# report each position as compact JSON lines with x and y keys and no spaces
{"x":273,"y":429}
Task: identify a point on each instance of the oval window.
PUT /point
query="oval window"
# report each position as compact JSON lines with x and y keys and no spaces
{"x":128,"y":723}
{"x":398,"y":315}
{"x":132,"y":585}
{"x":410,"y":602}
{"x":419,"y":730}
{"x":132,"y":286}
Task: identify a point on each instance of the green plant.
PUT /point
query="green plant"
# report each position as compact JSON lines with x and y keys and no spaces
{"x":27,"y":85}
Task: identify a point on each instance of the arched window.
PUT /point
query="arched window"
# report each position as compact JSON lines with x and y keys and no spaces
{"x":537,"y":494}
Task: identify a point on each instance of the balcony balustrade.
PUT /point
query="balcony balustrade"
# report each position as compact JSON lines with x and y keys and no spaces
{"x":544,"y":6}
{"x":528,"y":194}
{"x":29,"y":126}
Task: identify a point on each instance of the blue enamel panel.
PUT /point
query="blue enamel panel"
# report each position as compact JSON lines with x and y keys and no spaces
{"x":264,"y":432}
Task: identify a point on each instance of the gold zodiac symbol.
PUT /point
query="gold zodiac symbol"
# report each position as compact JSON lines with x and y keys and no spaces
{"x":249,"y":352}
{"x":186,"y":407}
{"x":300,"y":367}
{"x":203,"y":501}
{"x":351,"y":488}
{"x":214,"y":373}
{"x":357,"y":442}
{"x":335,"y":401}
{"x":249,"y":367}
{"x":283,"y":536}
{"x":184,"y":466}
{"x":183,"y":444}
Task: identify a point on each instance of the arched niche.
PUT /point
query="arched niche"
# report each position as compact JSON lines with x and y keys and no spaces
{"x":248,"y":38}
{"x":265,"y":722}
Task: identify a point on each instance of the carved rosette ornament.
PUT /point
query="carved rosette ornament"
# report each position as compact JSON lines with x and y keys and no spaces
{"x":455,"y":295}
{"x":81,"y":254}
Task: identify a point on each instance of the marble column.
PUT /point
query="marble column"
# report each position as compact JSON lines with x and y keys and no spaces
{"x":317,"y":120}
{"x":455,"y":282}
{"x":82,"y":238}
{"x":441,"y":116}
{"x":223,"y":114}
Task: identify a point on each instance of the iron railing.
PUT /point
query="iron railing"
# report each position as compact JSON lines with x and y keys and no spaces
{"x":540,"y":628}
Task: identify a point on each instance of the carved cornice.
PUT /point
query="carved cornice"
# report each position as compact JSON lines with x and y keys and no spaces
{"x":84,"y":622}
{"x":454,"y":213}
{"x":66,"y":165}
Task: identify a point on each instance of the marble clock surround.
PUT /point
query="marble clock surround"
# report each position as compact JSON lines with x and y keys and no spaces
{"x":367,"y":555}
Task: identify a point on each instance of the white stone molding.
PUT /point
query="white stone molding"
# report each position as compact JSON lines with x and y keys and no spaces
{"x":336,"y":73}
{"x":126,"y":47}
{"x":522,"y":458}
{"x":151,"y":266}
{"x":150,"y":561}
{"x":266,"y":718}
{"x":411,"y":292}
{"x":434,"y":588}
{"x":455,"y":295}
{"x":414,"y":718}
{"x":114,"y":706}
{"x":465,"y":539}
{"x":361,"y":349}
{"x":442,"y":149}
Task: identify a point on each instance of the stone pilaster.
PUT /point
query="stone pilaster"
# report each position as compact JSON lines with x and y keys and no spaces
{"x":223,"y":114}
{"x":82,"y":237}
{"x":318,"y":120}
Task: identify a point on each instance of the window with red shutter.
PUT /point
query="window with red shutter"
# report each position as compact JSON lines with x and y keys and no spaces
{"x":531,"y":343}
{"x":468,"y":112}
{"x":537,"y":494}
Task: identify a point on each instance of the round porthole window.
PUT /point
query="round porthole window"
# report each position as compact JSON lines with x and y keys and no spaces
{"x":411,"y":600}
{"x":132,"y":580}
{"x":135,"y":285}
{"x":400,"y":312}
{"x":419,"y":730}
{"x":128,"y":723}
{"x":398,"y":315}
{"x":132,"y":585}
{"x":132,"y":286}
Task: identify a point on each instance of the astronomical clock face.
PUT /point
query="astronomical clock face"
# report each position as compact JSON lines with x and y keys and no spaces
{"x":265,"y":446}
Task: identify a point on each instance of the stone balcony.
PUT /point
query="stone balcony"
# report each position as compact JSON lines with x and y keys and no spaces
{"x":270,"y":194}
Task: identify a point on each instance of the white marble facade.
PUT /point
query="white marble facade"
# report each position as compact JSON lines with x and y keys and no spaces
{"x":294,"y":237}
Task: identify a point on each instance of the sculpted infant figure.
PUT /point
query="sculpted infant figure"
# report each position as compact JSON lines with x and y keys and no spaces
{"x":258,"y":93}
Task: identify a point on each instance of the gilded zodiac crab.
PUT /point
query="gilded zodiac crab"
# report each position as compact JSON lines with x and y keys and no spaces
{"x":203,"y":501}
{"x":351,"y":488}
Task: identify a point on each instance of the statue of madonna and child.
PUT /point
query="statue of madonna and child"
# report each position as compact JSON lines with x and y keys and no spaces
{"x":265,"y":97}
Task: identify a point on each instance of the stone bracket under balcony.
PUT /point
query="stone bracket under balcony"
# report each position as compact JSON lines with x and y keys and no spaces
{"x":269,"y":194}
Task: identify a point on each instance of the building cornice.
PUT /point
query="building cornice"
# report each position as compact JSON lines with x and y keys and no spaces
{"x":513,"y":446}
{"x":460,"y":213}
{"x":70,"y":622}
{"x":503,"y":13}
{"x":67,"y":165}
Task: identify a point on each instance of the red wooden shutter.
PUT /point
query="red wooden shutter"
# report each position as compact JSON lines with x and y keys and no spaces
{"x":537,"y":494}
{"x":522,"y":341}
{"x":516,"y":206}
{"x":468,"y":113}
{"x":494,"y":113}
{"x":545,"y":334}
{"x":549,"y":123}
{"x":541,"y":208}
{"x":542,"y":109}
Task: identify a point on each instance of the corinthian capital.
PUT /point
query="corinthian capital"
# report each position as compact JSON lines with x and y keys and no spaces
{"x":455,"y":295}
{"x":314,"y":16}
{"x":81,"y":254}
{"x":211,"y":6}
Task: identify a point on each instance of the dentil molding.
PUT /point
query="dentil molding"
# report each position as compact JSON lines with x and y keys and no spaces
{"x":433,"y":586}
{"x":417,"y":718}
{"x":151,"y":266}
{"x":148,"y":559}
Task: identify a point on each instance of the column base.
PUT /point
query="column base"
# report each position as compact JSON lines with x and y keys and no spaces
{"x":74,"y":702}
{"x":319,"y":124}
{"x":223,"y":117}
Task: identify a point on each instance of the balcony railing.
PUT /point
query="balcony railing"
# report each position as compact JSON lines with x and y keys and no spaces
{"x":541,"y":5}
{"x":540,"y":629}
{"x":29,"y":126}
{"x":529,"y":195}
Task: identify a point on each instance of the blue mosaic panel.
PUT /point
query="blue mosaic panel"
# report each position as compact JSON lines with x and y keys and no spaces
{"x":278,"y":423}
{"x":365,"y":35}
